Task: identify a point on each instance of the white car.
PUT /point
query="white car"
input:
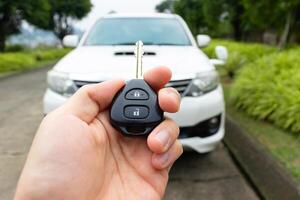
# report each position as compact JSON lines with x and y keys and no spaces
{"x":106,"y":51}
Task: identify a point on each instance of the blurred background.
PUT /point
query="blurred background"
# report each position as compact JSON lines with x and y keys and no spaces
{"x":260,"y":81}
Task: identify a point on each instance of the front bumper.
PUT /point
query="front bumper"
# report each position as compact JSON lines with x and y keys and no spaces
{"x":193,"y":110}
{"x":198,"y":139}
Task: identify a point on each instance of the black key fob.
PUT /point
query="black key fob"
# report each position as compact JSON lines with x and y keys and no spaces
{"x":135,"y":110}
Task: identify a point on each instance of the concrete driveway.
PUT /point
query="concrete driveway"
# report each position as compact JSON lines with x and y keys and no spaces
{"x":212,"y":176}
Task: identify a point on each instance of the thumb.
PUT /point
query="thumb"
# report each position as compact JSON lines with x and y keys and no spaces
{"x":89,"y":100}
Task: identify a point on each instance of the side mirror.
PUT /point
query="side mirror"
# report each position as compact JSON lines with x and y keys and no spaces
{"x":221,"y":52}
{"x":222,"y":55}
{"x":71,"y":40}
{"x":203,"y":40}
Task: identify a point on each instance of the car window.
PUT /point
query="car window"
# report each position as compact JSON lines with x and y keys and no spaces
{"x":126,"y":31}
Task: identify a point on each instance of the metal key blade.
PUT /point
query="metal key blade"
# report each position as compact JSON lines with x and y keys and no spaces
{"x":139,"y":52}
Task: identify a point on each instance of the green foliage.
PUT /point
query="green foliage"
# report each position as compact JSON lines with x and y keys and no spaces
{"x":36,"y":12}
{"x":55,"y":15}
{"x":273,"y":10}
{"x":13,"y":12}
{"x":165,"y":5}
{"x":191,"y":11}
{"x":217,"y":26}
{"x":282,"y":16}
{"x":50,"y":54}
{"x":281,"y":143}
{"x":63,"y":12}
{"x":269,"y":89}
{"x":72,"y":8}
{"x":28,"y":59}
{"x":240,"y":53}
{"x":217,"y":18}
{"x":240,"y":19}
{"x":15,"y":61}
{"x":14,"y":48}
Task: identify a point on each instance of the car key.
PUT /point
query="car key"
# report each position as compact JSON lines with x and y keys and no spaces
{"x":135,"y":110}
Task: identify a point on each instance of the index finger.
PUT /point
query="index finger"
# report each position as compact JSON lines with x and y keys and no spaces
{"x":158,"y":77}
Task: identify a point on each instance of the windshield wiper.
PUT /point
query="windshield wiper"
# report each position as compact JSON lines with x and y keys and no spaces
{"x":148,"y":43}
{"x":159,"y":44}
{"x":166,"y":44}
{"x":171,"y":44}
{"x":124,"y":43}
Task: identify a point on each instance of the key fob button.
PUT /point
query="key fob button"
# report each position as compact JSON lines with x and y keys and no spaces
{"x":137,"y":94}
{"x":128,"y":114}
{"x":136,"y":112}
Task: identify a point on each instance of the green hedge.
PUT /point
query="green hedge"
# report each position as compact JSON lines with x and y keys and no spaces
{"x":50,"y":54}
{"x":269,"y":89}
{"x":240,"y":53}
{"x":15,"y":61}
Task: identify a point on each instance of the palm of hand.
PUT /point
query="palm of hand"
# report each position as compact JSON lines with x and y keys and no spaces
{"x":96,"y":161}
{"x":77,"y":154}
{"x":129,"y":173}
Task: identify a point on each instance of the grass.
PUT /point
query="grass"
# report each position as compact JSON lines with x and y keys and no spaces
{"x":28,"y":59}
{"x":283,"y":145}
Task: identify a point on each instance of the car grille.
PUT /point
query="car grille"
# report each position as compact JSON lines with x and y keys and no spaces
{"x":179,"y":85}
{"x":79,"y":84}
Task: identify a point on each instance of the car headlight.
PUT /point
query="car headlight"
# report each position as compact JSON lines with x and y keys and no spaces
{"x":60,"y":83}
{"x":203,"y":83}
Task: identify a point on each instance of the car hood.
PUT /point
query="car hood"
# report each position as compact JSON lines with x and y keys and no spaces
{"x":106,"y":62}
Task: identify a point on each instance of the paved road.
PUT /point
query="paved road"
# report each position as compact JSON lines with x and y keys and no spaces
{"x":213,"y":176}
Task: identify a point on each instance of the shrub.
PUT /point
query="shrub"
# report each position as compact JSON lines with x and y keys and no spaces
{"x":269,"y":89}
{"x":14,"y":48}
{"x":49,"y":54}
{"x":15,"y":61}
{"x":239,"y":53}
{"x":28,"y":59}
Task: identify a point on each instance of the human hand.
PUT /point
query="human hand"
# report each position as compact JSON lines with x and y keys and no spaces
{"x":77,"y":154}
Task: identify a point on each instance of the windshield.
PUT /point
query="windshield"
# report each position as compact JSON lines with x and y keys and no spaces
{"x":126,"y":31}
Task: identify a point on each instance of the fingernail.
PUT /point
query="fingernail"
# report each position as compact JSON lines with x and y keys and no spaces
{"x":163,"y":137}
{"x":163,"y":159}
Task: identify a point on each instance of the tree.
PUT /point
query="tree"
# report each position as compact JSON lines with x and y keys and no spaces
{"x":63,"y":12}
{"x":191,"y":12}
{"x":167,"y":5}
{"x":279,"y":15}
{"x":236,"y":11}
{"x":217,"y":18}
{"x":13,"y":12}
{"x":223,"y":17}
